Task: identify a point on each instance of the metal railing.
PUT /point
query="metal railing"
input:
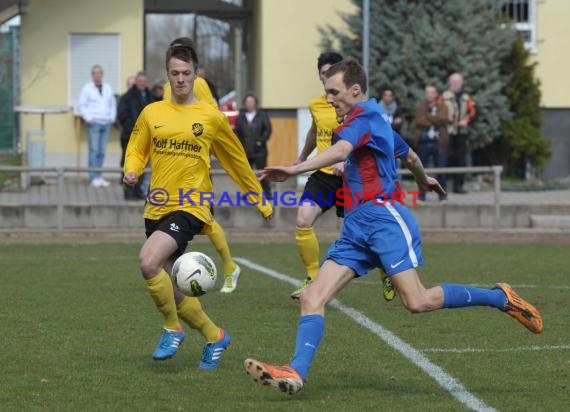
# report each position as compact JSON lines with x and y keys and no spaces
{"x":61,"y":172}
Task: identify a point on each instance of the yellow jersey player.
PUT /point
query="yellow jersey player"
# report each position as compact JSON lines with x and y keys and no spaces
{"x":178,"y":136}
{"x":217,"y":236}
{"x":322,"y":185}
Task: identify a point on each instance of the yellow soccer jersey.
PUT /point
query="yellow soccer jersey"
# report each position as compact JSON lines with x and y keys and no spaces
{"x":201,"y":91}
{"x":325,"y":122}
{"x":178,"y":140}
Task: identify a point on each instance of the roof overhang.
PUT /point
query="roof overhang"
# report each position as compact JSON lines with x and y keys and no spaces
{"x":11,"y":8}
{"x":211,"y":8}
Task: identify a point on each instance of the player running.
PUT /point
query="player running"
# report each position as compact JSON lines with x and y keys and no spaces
{"x":376,"y":232}
{"x":323,"y":185}
{"x":217,"y":236}
{"x":178,"y":136}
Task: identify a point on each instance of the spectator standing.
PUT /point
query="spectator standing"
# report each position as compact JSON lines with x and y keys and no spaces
{"x":388,"y":102}
{"x":157,"y":91}
{"x":430,"y":134}
{"x":130,"y":106}
{"x":253,"y":128}
{"x":461,"y":111}
{"x":98,"y":108}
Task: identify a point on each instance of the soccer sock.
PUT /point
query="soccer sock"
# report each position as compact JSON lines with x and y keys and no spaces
{"x":161,"y":290}
{"x":459,"y":296}
{"x":309,"y":334}
{"x":308,"y":246}
{"x":218,"y":239}
{"x":190,"y":311}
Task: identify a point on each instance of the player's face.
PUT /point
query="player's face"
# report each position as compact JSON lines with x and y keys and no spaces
{"x":181,"y":76}
{"x":323,"y":71}
{"x":342,"y":98}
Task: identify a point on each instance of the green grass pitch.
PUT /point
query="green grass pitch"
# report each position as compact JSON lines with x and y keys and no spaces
{"x":77,"y":330}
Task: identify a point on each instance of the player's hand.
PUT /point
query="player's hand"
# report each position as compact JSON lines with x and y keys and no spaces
{"x":130,"y":179}
{"x":277,"y":173}
{"x":338,"y":168}
{"x":462,"y":123}
{"x":432,"y":185}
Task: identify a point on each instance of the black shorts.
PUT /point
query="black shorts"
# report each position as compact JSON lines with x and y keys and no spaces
{"x":181,"y":226}
{"x":322,"y":189}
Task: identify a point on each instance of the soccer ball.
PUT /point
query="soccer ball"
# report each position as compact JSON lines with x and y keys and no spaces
{"x":194,"y":274}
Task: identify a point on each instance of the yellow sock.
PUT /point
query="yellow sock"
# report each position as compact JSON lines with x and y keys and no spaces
{"x":218,"y":239}
{"x":161,"y":291}
{"x":308,"y":246}
{"x":190,"y":311}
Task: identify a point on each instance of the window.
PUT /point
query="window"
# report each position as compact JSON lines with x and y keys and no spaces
{"x":523,"y":14}
{"x":87,"y":50}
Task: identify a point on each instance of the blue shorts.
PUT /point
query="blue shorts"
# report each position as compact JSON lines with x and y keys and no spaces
{"x":374,"y":236}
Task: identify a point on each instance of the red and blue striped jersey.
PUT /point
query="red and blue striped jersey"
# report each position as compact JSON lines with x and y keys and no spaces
{"x":370,"y":169}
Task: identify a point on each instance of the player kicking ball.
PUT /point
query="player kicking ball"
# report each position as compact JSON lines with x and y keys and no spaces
{"x":376,"y":233}
{"x":178,"y":136}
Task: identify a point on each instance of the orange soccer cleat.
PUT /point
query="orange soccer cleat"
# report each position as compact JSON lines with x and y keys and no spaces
{"x":520,"y":309}
{"x":284,"y":378}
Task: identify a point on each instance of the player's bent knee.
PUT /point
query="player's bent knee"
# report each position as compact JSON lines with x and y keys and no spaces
{"x":149,"y":266}
{"x":417,"y":305}
{"x":304,"y":222}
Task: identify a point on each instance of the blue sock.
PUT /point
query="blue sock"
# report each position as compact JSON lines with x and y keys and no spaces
{"x":459,"y":296}
{"x":309,"y":334}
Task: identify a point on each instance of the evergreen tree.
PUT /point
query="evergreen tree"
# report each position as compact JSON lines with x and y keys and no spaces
{"x":414,"y":42}
{"x":522,"y":139}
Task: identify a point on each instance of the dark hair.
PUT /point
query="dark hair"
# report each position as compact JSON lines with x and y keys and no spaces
{"x":182,"y":48}
{"x":352,"y":71}
{"x":250,"y":94}
{"x":387,"y":89}
{"x":328,"y":58}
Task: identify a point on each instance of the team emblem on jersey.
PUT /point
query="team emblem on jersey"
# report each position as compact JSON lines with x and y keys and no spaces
{"x":197,"y":129}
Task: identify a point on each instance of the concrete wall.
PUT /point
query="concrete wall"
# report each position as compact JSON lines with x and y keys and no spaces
{"x":45,"y":29}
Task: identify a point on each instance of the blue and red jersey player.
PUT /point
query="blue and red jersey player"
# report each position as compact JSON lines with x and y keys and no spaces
{"x":376,"y":233}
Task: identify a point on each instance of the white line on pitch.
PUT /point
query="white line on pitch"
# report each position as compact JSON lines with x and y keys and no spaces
{"x":445,"y":380}
{"x":476,"y":350}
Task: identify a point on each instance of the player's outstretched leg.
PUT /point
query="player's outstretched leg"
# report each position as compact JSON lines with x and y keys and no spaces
{"x":291,"y":378}
{"x":308,"y":246}
{"x":418,"y":299}
{"x":502,"y":297}
{"x":231,"y":270}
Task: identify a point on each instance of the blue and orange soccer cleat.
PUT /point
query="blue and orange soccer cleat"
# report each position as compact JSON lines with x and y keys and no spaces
{"x":212,"y":351}
{"x":168,"y":345}
{"x":520,"y":309}
{"x":284,"y":377}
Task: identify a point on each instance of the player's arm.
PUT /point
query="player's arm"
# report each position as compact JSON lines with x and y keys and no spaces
{"x":138,"y":151}
{"x":229,"y":151}
{"x":338,"y":152}
{"x":413,"y":163}
{"x":310,"y":144}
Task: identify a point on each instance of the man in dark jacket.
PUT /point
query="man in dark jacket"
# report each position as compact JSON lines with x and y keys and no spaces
{"x":130,"y":106}
{"x":431,"y":134}
{"x":253,"y":128}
